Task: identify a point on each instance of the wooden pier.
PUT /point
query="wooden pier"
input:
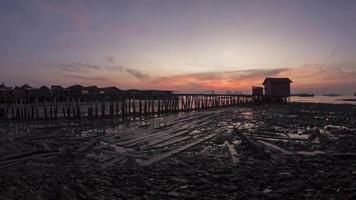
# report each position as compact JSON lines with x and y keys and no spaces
{"x":124,"y":106}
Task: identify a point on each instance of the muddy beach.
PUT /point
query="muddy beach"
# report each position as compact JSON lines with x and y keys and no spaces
{"x":290,"y":151}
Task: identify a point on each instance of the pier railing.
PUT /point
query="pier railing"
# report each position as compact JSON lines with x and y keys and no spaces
{"x":121,"y":106}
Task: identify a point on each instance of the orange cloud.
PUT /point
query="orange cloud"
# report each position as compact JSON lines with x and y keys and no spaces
{"x":230,"y":80}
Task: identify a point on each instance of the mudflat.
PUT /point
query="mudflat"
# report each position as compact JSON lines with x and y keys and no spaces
{"x":271,"y":151}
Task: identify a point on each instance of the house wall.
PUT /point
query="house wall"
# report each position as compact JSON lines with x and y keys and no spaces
{"x":279,"y":89}
{"x":267,"y":88}
{"x":257,"y":91}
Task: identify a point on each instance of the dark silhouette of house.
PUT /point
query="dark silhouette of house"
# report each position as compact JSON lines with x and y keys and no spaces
{"x":76,"y":90}
{"x":4,"y":90}
{"x":257,"y":91}
{"x":57,"y":88}
{"x":43,"y":87}
{"x":25,"y":86}
{"x":110,"y":90}
{"x":160,"y":92}
{"x":2,"y":85}
{"x":277,"y":87}
{"x":134,"y":91}
{"x":22,"y":90}
{"x":91,"y":90}
{"x":44,"y":90}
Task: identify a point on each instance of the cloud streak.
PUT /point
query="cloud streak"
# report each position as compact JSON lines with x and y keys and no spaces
{"x":317,"y":78}
{"x":79,"y":67}
{"x":110,"y":60}
{"x":138,"y":74}
{"x":224,"y":80}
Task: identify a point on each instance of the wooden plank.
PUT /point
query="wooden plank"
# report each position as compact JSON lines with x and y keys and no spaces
{"x":255,"y":146}
{"x":112,"y":162}
{"x":233,"y":153}
{"x":169,"y":137}
{"x":88,"y":145}
{"x":171,"y":131}
{"x":177,"y":151}
{"x":164,"y":144}
{"x":276,"y":148}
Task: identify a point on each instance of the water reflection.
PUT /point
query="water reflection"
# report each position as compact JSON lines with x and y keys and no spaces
{"x":324,"y":99}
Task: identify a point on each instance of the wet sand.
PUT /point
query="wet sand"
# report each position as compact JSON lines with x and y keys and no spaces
{"x":291,"y":151}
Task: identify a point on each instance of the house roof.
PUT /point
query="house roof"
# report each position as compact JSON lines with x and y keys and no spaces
{"x":44,"y":87}
{"x":26,"y":86}
{"x":277,"y":80}
{"x":110,"y":88}
{"x":92,"y":87}
{"x":57,"y":87}
{"x":75,"y":87}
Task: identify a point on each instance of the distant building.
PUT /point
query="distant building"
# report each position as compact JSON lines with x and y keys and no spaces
{"x":2,"y":85}
{"x":91,"y":90}
{"x":22,"y":90}
{"x":4,"y":90}
{"x":45,"y":90}
{"x":25,"y":86}
{"x":57,"y":88}
{"x":160,"y":92}
{"x":277,"y":87}
{"x":110,"y":90}
{"x":76,"y":90}
{"x":257,"y":91}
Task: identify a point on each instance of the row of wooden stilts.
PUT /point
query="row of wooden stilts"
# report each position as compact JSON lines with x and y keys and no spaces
{"x":122,"y":107}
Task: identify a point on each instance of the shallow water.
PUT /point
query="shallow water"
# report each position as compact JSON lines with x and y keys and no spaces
{"x":324,"y":99}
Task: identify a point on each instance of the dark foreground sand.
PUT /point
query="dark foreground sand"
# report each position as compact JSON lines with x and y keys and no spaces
{"x":295,"y":151}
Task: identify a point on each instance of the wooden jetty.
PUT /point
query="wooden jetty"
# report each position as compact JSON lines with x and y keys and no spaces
{"x":123,"y":106}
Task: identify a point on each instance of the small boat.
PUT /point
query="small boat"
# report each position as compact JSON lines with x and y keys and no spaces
{"x":331,"y":95}
{"x":304,"y":95}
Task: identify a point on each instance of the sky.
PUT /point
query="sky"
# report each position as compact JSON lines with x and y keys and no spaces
{"x":180,"y":45}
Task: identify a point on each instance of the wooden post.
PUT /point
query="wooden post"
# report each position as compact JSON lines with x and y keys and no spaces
{"x":32,"y":111}
{"x":117,"y":105}
{"x":122,"y":108}
{"x":140,"y":105}
{"x":68,"y":108}
{"x":152,"y":104}
{"x":45,"y":108}
{"x":96,"y":108}
{"x":111,"y":109}
{"x":102,"y":108}
{"x":134,"y":106}
{"x":12,"y":109}
{"x":55,"y":107}
{"x":51,"y":109}
{"x":159,"y":104}
{"x":145,"y":105}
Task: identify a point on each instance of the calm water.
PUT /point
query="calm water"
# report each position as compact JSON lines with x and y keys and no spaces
{"x":324,"y":99}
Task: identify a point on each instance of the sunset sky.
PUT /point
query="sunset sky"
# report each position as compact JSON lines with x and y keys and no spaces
{"x":183,"y":45}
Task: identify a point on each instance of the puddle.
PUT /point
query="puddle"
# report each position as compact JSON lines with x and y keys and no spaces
{"x":298,"y":136}
{"x":337,"y":128}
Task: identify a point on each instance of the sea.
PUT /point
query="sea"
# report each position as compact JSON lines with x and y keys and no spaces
{"x":325,"y":99}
